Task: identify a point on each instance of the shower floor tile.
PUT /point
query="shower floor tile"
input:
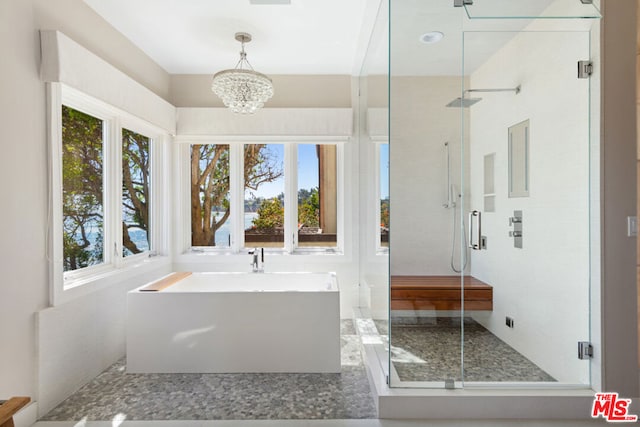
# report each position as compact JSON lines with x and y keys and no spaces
{"x":226,"y":396}
{"x":431,"y":352}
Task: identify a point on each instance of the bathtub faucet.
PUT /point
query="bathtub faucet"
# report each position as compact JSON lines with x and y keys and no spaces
{"x":257,"y":264}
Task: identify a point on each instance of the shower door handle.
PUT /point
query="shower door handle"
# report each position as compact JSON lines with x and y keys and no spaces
{"x":475,"y":230}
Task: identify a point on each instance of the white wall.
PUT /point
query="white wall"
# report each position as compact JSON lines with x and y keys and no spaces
{"x":421,"y":228}
{"x":545,"y":285}
{"x":23,"y":193}
{"x":291,"y":91}
{"x":78,"y":21}
{"x":619,"y":198}
{"x":23,"y":168}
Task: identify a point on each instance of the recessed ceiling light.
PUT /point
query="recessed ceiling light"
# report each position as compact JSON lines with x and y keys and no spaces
{"x":431,"y":37}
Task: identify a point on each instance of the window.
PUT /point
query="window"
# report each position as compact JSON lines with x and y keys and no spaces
{"x":210,"y":196}
{"x":106,"y":190}
{"x":317,"y":196}
{"x":384,"y":196}
{"x":279,"y":196}
{"x":264,"y":206}
{"x":136,"y":194}
{"x":82,"y":189}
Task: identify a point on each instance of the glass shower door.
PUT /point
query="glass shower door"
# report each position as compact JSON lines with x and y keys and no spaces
{"x":528,"y":130}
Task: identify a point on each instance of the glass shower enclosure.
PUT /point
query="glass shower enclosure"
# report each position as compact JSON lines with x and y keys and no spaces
{"x":485,"y":115}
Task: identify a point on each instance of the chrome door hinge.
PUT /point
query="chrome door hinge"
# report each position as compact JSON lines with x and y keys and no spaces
{"x":460,"y":3}
{"x":585,"y":350}
{"x":585,"y":69}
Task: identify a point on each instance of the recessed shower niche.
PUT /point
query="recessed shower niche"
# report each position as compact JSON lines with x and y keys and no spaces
{"x":518,"y":154}
{"x":460,"y":140}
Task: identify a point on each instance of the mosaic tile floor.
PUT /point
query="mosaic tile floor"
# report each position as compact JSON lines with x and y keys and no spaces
{"x":430,"y":351}
{"x":427,"y":351}
{"x":226,"y":396}
{"x":330,"y":423}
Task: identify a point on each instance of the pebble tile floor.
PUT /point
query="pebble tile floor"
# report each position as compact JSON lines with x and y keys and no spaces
{"x":226,"y":396}
{"x":430,"y":351}
{"x":424,"y":351}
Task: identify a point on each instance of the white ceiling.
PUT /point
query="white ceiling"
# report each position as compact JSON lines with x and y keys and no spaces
{"x":197,"y":36}
{"x":315,"y":36}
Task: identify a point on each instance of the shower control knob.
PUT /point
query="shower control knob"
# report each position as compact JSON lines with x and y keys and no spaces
{"x":515,"y":234}
{"x":514,"y":220}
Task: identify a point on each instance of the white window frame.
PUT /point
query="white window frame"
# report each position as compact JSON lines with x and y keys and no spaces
{"x":155,"y":232}
{"x":68,"y":285}
{"x":236,"y":158}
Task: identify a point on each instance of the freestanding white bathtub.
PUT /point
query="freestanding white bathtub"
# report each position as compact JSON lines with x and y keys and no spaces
{"x":236,"y":322}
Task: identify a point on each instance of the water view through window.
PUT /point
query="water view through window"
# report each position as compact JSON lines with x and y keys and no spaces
{"x":263,"y":198}
{"x":135,"y":193}
{"x":82,"y":189}
{"x":264,"y":195}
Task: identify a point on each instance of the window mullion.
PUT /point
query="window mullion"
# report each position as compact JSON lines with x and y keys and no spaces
{"x":236,"y":186}
{"x":162,"y":171}
{"x":290,"y":197}
{"x":182,"y":190}
{"x":156,"y":186}
{"x":378,"y":196}
{"x":55,"y":244}
{"x":154,"y":145}
{"x":113,"y":192}
{"x":340,"y":196}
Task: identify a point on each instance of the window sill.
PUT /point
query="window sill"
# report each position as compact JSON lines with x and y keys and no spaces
{"x":87,"y":284}
{"x":331,"y":251}
{"x":275,"y":260}
{"x":318,"y":251}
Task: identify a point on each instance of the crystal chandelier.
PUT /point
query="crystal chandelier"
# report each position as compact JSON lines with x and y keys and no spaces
{"x":242,"y":89}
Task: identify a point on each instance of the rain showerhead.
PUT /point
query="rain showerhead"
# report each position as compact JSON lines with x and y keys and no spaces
{"x":465,"y":102}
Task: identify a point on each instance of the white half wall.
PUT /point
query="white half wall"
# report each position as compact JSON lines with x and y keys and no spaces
{"x":544,"y":286}
{"x":80,"y":339}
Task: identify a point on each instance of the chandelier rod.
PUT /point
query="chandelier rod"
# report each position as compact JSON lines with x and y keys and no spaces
{"x":243,"y":38}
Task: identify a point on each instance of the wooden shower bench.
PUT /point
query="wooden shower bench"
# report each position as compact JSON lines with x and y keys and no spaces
{"x":439,"y":293}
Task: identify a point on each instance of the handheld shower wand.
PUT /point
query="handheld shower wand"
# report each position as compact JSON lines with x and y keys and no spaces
{"x":450,"y":188}
{"x":452,"y":198}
